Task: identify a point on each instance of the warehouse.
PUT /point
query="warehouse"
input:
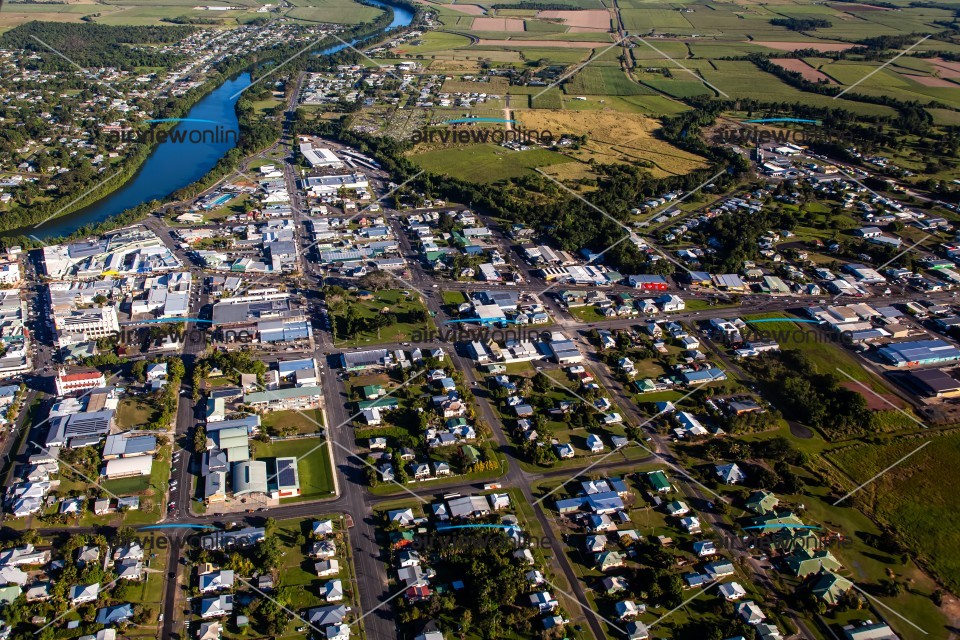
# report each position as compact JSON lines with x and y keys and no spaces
{"x":919,"y":352}
{"x":127,"y":467}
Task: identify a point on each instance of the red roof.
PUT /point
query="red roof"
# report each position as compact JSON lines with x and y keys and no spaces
{"x":71,"y":377}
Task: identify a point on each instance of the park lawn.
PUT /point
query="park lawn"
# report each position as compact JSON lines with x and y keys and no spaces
{"x":313,"y":466}
{"x":305,"y":422}
{"x":486,"y":163}
{"x":403,"y":306}
{"x":134,"y":412}
{"x":455,"y":298}
{"x":589,"y":313}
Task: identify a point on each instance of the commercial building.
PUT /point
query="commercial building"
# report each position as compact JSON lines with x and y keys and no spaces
{"x":249,"y":478}
{"x":918,"y":353}
{"x":127,"y":467}
{"x":301,"y":398}
{"x":77,"y":380}
{"x":320,"y":157}
{"x":933,"y":383}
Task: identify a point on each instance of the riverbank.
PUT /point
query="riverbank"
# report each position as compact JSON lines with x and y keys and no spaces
{"x":125,"y":198}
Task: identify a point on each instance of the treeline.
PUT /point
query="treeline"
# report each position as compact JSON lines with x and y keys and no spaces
{"x":802,"y":24}
{"x":95,"y":45}
{"x":812,"y":397}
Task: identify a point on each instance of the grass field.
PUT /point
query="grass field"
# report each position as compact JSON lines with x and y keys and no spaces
{"x":304,"y":422}
{"x":134,"y":412}
{"x":335,"y":11}
{"x":613,"y":137}
{"x":486,"y":162}
{"x":917,"y":497}
{"x":316,"y":476}
{"x":396,"y":303}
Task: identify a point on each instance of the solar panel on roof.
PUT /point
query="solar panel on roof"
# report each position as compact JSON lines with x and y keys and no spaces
{"x":286,"y":473}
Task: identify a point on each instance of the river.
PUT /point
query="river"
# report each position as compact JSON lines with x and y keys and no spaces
{"x":174,"y":164}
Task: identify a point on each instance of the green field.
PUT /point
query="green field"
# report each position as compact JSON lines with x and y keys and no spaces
{"x":486,"y":162}
{"x":335,"y":11}
{"x":603,"y":81}
{"x":304,"y":422}
{"x":134,"y":412}
{"x":392,"y":301}
{"x":917,"y":497}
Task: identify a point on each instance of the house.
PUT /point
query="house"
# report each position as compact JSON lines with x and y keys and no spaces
{"x":216,"y":581}
{"x":658,"y":480}
{"x":636,"y":631}
{"x":564,"y":450}
{"x":13,"y":575}
{"x":750,"y":613}
{"x":596,"y":544}
{"x":628,"y":609}
{"x":869,"y":630}
{"x":719,"y":569}
{"x":804,"y":562}
{"x":115,"y":615}
{"x":594,"y":443}
{"x":544,"y":601}
{"x":403,"y":517}
{"x":325,"y":617}
{"x":704,"y":548}
{"x":610,"y":560}
{"x":600,"y":523}
{"x":81,"y":594}
{"x":829,"y":587}
{"x":216,"y":607}
{"x":732,"y":591}
{"x":332,"y":591}
{"x":762,"y":502}
{"x":614,"y":584}
{"x":323,"y":550}
{"x":322,"y":528}
{"x":499,"y":501}
{"x":730,"y":473}
{"x":327,"y":567}
{"x":677,"y":508}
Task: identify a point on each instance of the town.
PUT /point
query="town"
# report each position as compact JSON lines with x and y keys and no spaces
{"x":354,"y":383}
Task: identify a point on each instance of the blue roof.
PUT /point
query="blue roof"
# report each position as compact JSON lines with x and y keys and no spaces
{"x":919,"y":351}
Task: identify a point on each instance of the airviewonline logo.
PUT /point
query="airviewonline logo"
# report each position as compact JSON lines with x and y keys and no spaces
{"x":481,"y":135}
{"x":781,"y":131}
{"x":211,"y":132}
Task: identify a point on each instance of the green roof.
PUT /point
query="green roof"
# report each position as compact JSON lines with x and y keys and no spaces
{"x":371,"y":390}
{"x":281,"y":394}
{"x":762,"y":502}
{"x":383,"y":403}
{"x":803,"y":562}
{"x":829,"y":587}
{"x":470,"y":452}
{"x":659,"y":480}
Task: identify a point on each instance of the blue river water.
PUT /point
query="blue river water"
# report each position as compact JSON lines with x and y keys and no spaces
{"x":174,"y":164}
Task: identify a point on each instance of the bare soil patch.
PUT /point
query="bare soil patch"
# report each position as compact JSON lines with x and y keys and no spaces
{"x":588,"y":19}
{"x":804,"y":69}
{"x":930,"y":81}
{"x":497,"y":24}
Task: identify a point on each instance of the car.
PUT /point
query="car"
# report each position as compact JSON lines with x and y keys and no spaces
{"x":160,"y":619}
